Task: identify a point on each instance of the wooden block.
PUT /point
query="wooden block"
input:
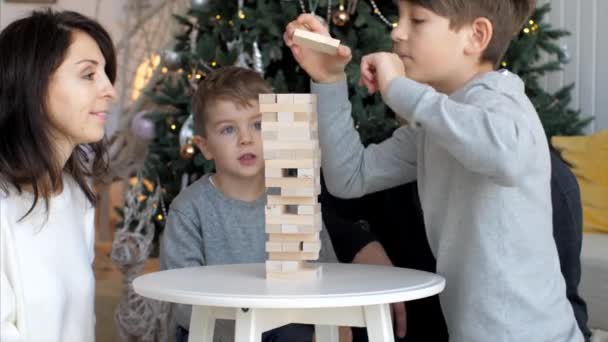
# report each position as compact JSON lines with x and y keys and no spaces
{"x":272,"y":246}
{"x":273,"y":154}
{"x":278,"y":126}
{"x":273,"y":266}
{"x":271,"y":172}
{"x":287,"y":107}
{"x":300,"y":220}
{"x":307,"y":271}
{"x":316,"y":41}
{"x":270,"y":117}
{"x":296,"y":134}
{"x":287,"y":154}
{"x":309,"y":209}
{"x":308,"y":173}
{"x":290,"y":229}
{"x":311,"y":247}
{"x":300,"y":229}
{"x":300,"y":192}
{"x":284,"y":183}
{"x":291,"y":145}
{"x":304,"y":154}
{"x":274,"y":229}
{"x":305,"y":98}
{"x":294,"y":237}
{"x":293,"y":164}
{"x":285,"y":98}
{"x":293,"y":256}
{"x":270,"y":135}
{"x":293,"y":246}
{"x":285,"y":117}
{"x":275,"y":209}
{"x":304,"y":117}
{"x":283,"y":266}
{"x":292,"y":200}
{"x":267,"y":98}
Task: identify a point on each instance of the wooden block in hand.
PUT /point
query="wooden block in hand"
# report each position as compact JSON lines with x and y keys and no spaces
{"x":316,"y":41}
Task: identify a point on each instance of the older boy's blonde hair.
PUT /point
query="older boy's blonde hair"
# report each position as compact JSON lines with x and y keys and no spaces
{"x":235,"y":84}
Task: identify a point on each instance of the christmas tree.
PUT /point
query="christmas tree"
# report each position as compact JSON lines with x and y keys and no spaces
{"x":249,"y":33}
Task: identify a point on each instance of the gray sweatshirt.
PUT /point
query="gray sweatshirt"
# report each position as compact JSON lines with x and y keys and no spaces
{"x":204,"y":227}
{"x":482,"y":164}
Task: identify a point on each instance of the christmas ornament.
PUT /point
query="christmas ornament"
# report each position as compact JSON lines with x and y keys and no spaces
{"x":187,"y":131}
{"x":340,"y":16}
{"x":171,"y":59}
{"x":200,"y":5}
{"x":143,"y":127}
{"x":258,"y":65}
{"x":187,"y":151}
{"x":564,"y":56}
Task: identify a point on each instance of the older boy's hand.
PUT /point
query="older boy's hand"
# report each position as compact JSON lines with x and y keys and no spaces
{"x":321,"y":67}
{"x":379,"y":69}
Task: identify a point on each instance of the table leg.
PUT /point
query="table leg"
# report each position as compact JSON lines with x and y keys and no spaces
{"x":247,"y":326}
{"x":379,"y":323}
{"x":202,"y":324}
{"x":326,"y":333}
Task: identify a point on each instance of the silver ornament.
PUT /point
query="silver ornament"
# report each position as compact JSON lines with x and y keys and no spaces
{"x":171,"y":59}
{"x":200,"y":5}
{"x":258,"y":64}
{"x":187,"y":131}
{"x":565,"y":57}
{"x":143,"y":127}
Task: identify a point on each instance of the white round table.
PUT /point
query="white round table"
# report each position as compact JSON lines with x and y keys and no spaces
{"x":345,"y":295}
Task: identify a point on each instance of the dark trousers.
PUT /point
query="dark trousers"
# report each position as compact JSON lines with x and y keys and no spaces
{"x":286,"y":333}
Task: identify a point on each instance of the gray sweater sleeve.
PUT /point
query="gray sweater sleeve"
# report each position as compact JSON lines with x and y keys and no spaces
{"x":181,"y":246}
{"x":350,"y":170}
{"x":486,"y":134}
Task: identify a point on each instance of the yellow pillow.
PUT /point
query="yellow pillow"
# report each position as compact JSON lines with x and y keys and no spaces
{"x":588,"y":157}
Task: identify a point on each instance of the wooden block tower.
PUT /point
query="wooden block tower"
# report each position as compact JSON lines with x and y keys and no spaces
{"x":293,"y":160}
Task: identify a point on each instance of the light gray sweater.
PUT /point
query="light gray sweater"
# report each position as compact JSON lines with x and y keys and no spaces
{"x":482,"y":164}
{"x":204,"y":227}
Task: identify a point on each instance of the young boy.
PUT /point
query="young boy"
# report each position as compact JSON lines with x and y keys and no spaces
{"x":219,"y":219}
{"x":478,"y":151}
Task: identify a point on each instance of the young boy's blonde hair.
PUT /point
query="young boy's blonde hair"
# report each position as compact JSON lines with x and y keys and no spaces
{"x":507,"y":18}
{"x":235,"y":84}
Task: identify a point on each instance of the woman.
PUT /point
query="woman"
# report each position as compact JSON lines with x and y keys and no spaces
{"x":57,"y":71}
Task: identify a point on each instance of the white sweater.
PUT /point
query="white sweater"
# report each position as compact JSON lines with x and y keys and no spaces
{"x":47,"y":284}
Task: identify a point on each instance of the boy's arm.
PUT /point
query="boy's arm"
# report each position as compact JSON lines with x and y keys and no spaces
{"x":485,"y":139}
{"x":350,"y":170}
{"x":181,"y":246}
{"x":182,"y":242}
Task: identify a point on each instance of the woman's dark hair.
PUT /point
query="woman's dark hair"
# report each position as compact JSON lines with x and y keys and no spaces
{"x":32,"y":49}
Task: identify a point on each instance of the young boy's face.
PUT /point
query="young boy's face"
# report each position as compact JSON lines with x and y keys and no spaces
{"x":233,"y":139}
{"x":431,"y":52}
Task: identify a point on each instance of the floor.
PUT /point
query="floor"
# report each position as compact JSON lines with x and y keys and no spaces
{"x":108,"y":291}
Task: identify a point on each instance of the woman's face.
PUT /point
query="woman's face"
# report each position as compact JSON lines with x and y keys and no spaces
{"x":78,"y":95}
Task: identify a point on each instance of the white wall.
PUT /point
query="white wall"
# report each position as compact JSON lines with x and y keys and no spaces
{"x":588,"y":46}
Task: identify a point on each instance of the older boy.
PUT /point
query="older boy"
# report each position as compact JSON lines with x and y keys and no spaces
{"x":219,"y":219}
{"x":477,"y":148}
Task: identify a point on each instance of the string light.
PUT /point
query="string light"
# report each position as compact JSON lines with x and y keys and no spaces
{"x":241,"y":14}
{"x":381,"y":16}
{"x":218,"y":17}
{"x":160,"y":217}
{"x":213,"y":64}
{"x":173,"y":127}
